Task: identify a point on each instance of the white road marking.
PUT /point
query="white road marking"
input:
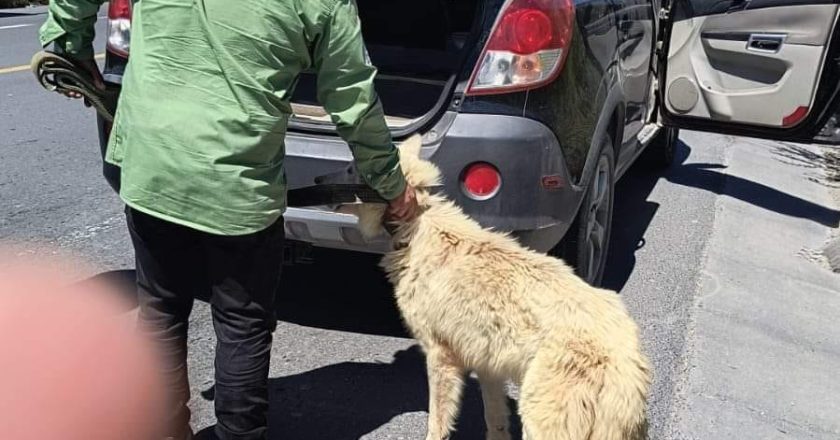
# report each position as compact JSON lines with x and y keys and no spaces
{"x":13,"y":26}
{"x":23,"y":67}
{"x":22,"y":25}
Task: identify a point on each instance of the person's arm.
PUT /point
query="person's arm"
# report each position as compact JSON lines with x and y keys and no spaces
{"x":70,"y":28}
{"x":345,"y":89}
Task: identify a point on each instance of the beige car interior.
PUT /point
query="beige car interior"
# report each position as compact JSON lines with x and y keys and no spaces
{"x":316,"y":113}
{"x":758,"y":66}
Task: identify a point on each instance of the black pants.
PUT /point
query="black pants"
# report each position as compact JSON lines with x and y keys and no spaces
{"x":240,"y":275}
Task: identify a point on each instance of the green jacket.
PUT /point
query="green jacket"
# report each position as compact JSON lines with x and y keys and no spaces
{"x":199,"y":133}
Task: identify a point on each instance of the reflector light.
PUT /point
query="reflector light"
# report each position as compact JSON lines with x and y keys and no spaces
{"x":796,"y":117}
{"x":481,"y":181}
{"x":552,"y":182}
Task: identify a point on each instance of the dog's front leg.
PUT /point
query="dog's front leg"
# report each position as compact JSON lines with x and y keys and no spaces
{"x":496,"y":412}
{"x":446,"y":380}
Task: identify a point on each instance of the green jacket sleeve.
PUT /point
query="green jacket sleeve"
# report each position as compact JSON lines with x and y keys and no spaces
{"x":345,"y":89}
{"x":70,"y":25}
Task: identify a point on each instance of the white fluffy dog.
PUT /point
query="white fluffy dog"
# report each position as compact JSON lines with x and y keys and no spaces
{"x":478,"y":301}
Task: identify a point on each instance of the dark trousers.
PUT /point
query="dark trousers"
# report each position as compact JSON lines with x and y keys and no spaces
{"x":240,"y":275}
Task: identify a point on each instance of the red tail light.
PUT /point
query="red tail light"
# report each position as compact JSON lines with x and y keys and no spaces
{"x":119,"y":27}
{"x":481,"y":181}
{"x":527,"y":48}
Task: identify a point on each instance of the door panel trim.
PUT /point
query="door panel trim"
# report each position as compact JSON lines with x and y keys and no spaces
{"x":760,"y":80}
{"x":826,"y":98}
{"x":700,"y":8}
{"x":804,"y":24}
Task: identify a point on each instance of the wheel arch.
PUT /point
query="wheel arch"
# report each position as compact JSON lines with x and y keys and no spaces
{"x":610,"y":123}
{"x":616,"y":128}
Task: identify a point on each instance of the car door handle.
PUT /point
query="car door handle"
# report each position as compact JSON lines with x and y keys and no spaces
{"x":770,"y":43}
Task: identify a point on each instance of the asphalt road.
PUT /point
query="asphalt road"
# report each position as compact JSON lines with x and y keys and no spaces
{"x":343,"y":368}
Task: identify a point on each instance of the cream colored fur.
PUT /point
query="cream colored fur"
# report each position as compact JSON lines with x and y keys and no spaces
{"x":478,"y":301}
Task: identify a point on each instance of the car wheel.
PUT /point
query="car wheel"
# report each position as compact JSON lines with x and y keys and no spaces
{"x":662,"y":149}
{"x":586,"y":244}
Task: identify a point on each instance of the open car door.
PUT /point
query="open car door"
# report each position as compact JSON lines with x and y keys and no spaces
{"x":760,"y":68}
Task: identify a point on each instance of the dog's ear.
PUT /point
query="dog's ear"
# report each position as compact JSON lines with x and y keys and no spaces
{"x":411,"y":147}
{"x":418,"y":172}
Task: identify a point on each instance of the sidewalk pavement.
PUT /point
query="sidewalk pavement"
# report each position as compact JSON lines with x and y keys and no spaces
{"x":763,"y":353}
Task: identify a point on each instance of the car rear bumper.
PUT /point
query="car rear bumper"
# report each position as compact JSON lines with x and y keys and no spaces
{"x":525,"y":152}
{"x":536,"y":202}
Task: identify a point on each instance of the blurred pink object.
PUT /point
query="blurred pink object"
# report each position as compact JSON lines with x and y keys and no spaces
{"x":72,"y":364}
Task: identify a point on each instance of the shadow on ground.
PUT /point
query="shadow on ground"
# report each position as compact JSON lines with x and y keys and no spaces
{"x":348,"y":400}
{"x":345,"y":400}
{"x":827,"y":159}
{"x":342,"y":291}
{"x":633,"y":212}
{"x":794,"y":154}
{"x":699,"y":175}
{"x":122,"y":282}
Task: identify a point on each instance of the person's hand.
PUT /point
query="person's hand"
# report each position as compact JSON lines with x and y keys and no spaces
{"x":89,"y":66}
{"x":404,"y":207}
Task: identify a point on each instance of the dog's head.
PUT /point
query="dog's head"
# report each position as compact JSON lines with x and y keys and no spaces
{"x":419,"y":173}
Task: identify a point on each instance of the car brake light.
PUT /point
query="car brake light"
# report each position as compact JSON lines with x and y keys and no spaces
{"x":481,"y":181}
{"x":527,"y":48}
{"x":119,"y":27}
{"x":796,"y":117}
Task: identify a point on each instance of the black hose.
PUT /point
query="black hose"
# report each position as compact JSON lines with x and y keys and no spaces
{"x":332,"y":194}
{"x":58,"y":74}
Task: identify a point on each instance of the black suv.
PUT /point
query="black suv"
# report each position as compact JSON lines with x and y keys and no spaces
{"x":534,"y":108}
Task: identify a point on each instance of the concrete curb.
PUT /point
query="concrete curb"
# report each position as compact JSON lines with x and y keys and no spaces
{"x":764,"y":349}
{"x":832,"y":253}
{"x":831,"y":162}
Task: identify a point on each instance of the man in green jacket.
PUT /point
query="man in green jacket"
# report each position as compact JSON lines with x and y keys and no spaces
{"x":199,"y":136}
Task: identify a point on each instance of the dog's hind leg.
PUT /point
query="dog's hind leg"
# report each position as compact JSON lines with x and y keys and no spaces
{"x":560,"y":390}
{"x":496,"y":413}
{"x":446,"y":381}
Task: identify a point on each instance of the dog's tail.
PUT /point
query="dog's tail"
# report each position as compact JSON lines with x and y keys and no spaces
{"x":575,"y":389}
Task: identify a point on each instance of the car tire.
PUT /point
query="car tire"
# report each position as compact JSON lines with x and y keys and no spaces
{"x":662,"y":149}
{"x":586,"y":244}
